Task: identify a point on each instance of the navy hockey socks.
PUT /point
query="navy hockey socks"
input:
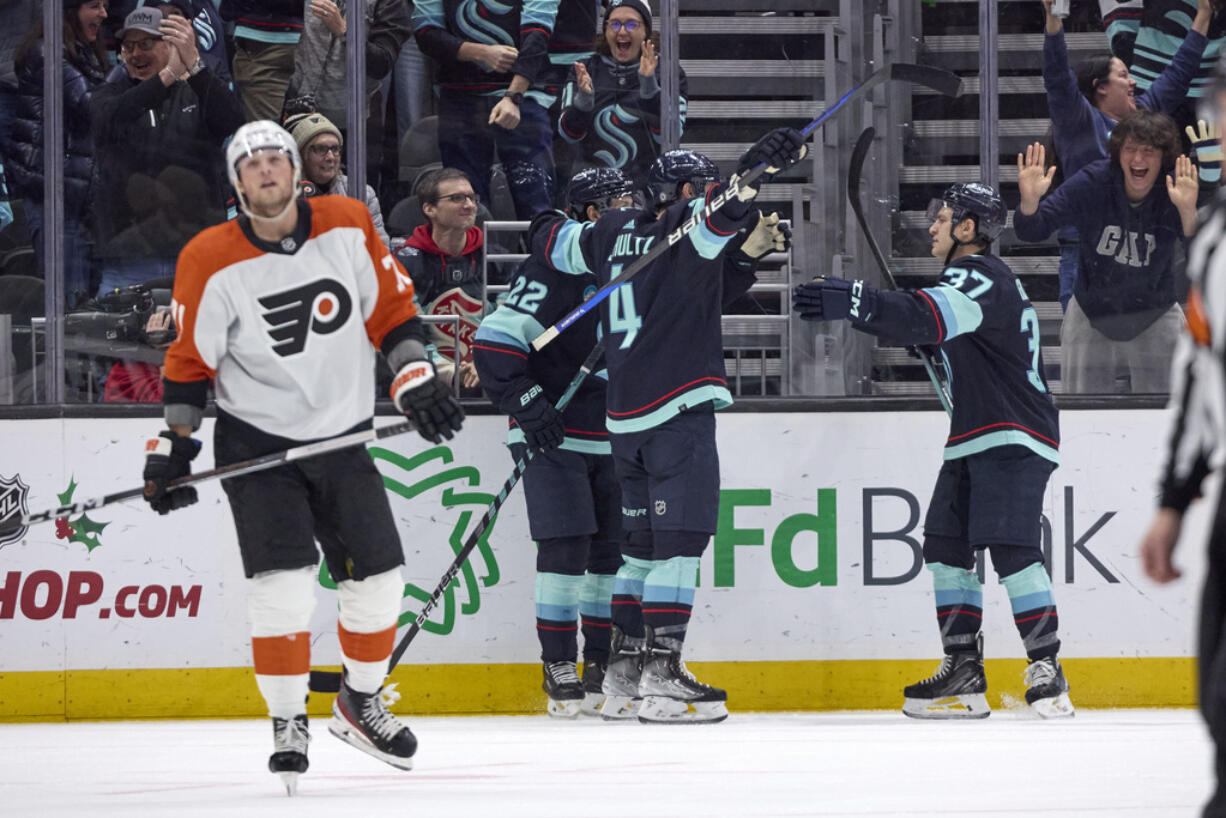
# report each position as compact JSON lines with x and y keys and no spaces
{"x":959,"y":598}
{"x":628,"y":596}
{"x":595,"y":615}
{"x":668,"y":598}
{"x":1034,"y":610}
{"x":557,"y":609}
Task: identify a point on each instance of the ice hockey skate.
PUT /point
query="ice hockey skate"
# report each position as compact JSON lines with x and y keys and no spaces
{"x":290,"y":738}
{"x":621,"y":679}
{"x":564,"y":689}
{"x":363,"y":720}
{"x":955,"y":691}
{"x":1047,"y":689}
{"x":671,"y":694}
{"x":593,"y":688}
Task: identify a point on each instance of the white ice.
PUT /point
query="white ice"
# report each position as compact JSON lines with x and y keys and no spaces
{"x":1102,"y":763}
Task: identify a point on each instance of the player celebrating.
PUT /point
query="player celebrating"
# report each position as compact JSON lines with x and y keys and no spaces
{"x":1002,"y":447}
{"x":574,"y":504}
{"x":282,"y":310}
{"x":664,"y":349}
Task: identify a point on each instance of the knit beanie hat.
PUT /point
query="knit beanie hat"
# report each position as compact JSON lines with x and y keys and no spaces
{"x":640,"y":6}
{"x":305,"y":127}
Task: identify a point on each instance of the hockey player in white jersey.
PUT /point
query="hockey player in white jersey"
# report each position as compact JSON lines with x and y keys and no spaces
{"x":281,"y":312}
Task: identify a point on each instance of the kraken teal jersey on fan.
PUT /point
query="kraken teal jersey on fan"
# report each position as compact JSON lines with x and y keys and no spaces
{"x":988,"y":332}
{"x":664,"y":344}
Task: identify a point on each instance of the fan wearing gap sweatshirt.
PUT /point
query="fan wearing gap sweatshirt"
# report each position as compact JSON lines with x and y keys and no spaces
{"x":1123,"y":317}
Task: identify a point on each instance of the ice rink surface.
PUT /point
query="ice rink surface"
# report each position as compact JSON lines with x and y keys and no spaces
{"x":1102,"y":763}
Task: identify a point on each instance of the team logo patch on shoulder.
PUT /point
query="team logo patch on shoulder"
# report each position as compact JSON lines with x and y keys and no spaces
{"x":322,"y":306}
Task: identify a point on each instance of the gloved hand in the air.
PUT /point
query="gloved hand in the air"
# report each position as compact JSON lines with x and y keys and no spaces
{"x":427,"y":401}
{"x":778,"y":150}
{"x":833,"y":299}
{"x":167,"y":457}
{"x":540,"y":422}
{"x":769,"y":236}
{"x":1208,"y":148}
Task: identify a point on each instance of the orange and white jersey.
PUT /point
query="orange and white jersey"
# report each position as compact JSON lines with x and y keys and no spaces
{"x":288,"y":332}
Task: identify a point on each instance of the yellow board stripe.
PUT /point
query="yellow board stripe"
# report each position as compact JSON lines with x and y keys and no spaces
{"x":516,"y":689}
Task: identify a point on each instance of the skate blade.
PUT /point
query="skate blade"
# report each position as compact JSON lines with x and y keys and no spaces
{"x":1055,"y":707}
{"x":620,"y":708}
{"x":592,"y":704}
{"x":663,"y":710}
{"x":564,"y":708}
{"x":290,"y":780}
{"x":968,"y":706}
{"x":346,"y":733}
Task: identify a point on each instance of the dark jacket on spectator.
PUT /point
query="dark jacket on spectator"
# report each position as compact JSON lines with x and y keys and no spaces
{"x":447,"y":285}
{"x":173,"y":134}
{"x":621,"y":128}
{"x":1126,"y":278}
{"x":440,"y":32}
{"x":25,"y":160}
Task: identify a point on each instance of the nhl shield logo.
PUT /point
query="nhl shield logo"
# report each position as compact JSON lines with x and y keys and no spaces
{"x":661,"y":508}
{"x":13,"y":506}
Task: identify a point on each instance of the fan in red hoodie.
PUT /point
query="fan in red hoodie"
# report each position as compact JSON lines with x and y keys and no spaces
{"x":444,"y":258}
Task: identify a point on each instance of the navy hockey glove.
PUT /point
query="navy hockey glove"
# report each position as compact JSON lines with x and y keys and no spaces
{"x":540,"y":422}
{"x":427,"y":401}
{"x":779,"y":150}
{"x":167,"y":457}
{"x":834,"y":299}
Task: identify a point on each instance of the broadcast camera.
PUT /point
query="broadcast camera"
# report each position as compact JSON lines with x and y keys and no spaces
{"x":121,"y":315}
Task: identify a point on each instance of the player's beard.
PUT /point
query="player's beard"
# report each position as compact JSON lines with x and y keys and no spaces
{"x":271,"y":209}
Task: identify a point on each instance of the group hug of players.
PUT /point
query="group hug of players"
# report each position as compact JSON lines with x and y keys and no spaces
{"x":281,"y":311}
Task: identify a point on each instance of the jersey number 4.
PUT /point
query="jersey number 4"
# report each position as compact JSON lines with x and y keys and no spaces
{"x":622,"y":315}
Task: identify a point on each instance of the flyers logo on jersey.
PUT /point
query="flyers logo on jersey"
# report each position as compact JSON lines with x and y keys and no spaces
{"x":322,"y":306}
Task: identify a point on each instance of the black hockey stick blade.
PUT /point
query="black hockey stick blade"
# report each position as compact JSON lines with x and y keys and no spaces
{"x":255,"y":464}
{"x":936,"y":79}
{"x":329,"y":681}
{"x":854,"y":171}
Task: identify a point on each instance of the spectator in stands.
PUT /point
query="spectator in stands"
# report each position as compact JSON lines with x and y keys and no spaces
{"x":575,"y":33}
{"x":1150,"y":34}
{"x":444,"y":259}
{"x":320,"y":145}
{"x":1085,"y":107}
{"x":84,"y":64}
{"x":158,"y":130}
{"x":1123,"y":316}
{"x":139,"y":381}
{"x":266,"y":34}
{"x":209,"y":28}
{"x":611,"y":103}
{"x":488,"y":101}
{"x":319,"y":64}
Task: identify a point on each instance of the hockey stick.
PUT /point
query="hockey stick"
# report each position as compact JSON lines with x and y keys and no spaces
{"x":858,"y":155}
{"x":329,"y":681}
{"x":255,"y":464}
{"x":936,"y":79}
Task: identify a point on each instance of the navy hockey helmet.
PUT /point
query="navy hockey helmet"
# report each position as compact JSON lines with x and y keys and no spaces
{"x":973,"y":200}
{"x":596,"y":186}
{"x":672,"y":169}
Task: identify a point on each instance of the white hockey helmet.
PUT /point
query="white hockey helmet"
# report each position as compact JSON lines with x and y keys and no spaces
{"x":261,"y":135}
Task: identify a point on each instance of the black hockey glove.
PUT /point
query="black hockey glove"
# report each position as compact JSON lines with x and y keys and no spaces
{"x":779,"y":150}
{"x":536,"y":416}
{"x":427,"y":401}
{"x":168,"y":457}
{"x":834,"y":299}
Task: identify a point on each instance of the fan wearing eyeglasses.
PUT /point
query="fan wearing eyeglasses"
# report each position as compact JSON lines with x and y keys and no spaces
{"x":611,"y":102}
{"x":321,"y":145}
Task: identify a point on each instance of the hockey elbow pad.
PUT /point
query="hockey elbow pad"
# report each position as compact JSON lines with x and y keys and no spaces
{"x":427,"y":401}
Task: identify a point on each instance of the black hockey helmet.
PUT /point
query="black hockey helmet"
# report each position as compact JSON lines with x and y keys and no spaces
{"x":973,"y":200}
{"x":596,"y":186}
{"x":672,"y":169}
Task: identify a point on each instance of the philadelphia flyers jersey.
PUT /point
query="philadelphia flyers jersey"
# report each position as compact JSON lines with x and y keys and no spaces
{"x":287,"y":332}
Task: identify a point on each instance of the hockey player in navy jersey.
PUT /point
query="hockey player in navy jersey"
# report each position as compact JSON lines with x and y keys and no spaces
{"x":1002,"y":447}
{"x":664,"y":350}
{"x":574,"y":504}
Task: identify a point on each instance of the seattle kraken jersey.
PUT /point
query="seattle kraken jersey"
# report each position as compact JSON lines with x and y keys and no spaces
{"x":664,"y":342}
{"x":988,"y":332}
{"x":443,"y":26}
{"x":540,"y":296}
